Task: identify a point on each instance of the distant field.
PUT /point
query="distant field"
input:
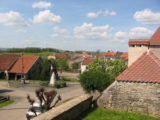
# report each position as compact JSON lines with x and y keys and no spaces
{"x":36,"y":54}
{"x":105,"y":114}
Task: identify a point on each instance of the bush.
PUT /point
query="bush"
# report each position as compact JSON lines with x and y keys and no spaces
{"x":75,"y":66}
{"x":100,"y":74}
{"x":60,"y":84}
{"x":95,"y":80}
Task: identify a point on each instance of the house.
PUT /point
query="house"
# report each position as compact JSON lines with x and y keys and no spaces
{"x":85,"y":63}
{"x":51,"y":56}
{"x":61,"y":56}
{"x":22,"y":67}
{"x":84,"y":55}
{"x":6,"y":63}
{"x":124,"y":56}
{"x":137,"y":89}
{"x":110,"y":55}
{"x":13,"y":66}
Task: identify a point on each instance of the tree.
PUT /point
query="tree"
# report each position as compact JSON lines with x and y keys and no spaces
{"x":98,"y":65}
{"x":62,"y":64}
{"x":75,"y":65}
{"x":95,"y":80}
{"x":101,"y":74}
{"x":115,"y":67}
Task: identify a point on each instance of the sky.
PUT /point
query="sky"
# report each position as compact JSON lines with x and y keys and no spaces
{"x":77,"y":24}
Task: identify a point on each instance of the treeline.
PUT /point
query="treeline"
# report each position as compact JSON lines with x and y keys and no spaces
{"x":32,"y":50}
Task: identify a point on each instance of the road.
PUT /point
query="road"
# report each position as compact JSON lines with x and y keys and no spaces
{"x":17,"y":110}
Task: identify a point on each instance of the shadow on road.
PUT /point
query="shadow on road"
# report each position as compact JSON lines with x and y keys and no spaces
{"x":12,"y":109}
{"x":5,"y":90}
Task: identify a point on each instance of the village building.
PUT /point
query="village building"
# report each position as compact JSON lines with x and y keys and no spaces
{"x":110,"y":56}
{"x":84,"y":55}
{"x":124,"y":56}
{"x":85,"y":63}
{"x":14,"y":67}
{"x":137,"y":89}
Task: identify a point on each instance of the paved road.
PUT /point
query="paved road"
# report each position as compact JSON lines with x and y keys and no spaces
{"x":17,"y":110}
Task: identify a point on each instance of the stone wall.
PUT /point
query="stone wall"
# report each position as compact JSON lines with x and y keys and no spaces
{"x":132,"y":97}
{"x":69,"y":110}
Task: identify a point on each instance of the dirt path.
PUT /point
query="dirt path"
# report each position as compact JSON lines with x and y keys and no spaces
{"x":17,"y":110}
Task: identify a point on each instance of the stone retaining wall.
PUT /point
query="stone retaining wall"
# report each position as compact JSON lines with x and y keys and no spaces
{"x":132,"y":97}
{"x":69,"y":110}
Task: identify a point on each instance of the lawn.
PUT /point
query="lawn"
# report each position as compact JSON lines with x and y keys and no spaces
{"x":105,"y":114}
{"x":36,"y":54}
{"x":6,"y":103}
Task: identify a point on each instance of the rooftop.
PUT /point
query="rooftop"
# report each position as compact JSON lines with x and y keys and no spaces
{"x":27,"y":63}
{"x":7,"y":61}
{"x":144,"y":69}
{"x":87,"y":61}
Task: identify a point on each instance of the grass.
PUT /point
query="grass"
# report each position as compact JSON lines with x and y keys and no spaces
{"x":36,"y":54}
{"x":6,"y":103}
{"x":67,"y":100}
{"x":69,"y":79}
{"x":105,"y":114}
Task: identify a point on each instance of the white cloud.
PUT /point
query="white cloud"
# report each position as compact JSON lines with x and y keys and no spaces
{"x":134,"y":33}
{"x":47,"y":17}
{"x":120,"y":34}
{"x":147,"y":17}
{"x":88,"y":31}
{"x":59,"y":30}
{"x":41,"y":4}
{"x":96,"y":14}
{"x":54,"y":35}
{"x":110,"y":13}
{"x":13,"y":19}
{"x":140,"y":32}
{"x":93,"y":14}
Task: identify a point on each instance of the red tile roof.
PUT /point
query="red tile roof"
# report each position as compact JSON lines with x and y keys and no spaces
{"x":87,"y":61}
{"x":61,"y":56}
{"x":144,"y":69}
{"x":84,"y":55}
{"x":138,"y":42}
{"x":7,"y":61}
{"x":28,"y":61}
{"x":99,"y":55}
{"x":124,"y":56}
{"x":155,"y":39}
{"x":110,"y":54}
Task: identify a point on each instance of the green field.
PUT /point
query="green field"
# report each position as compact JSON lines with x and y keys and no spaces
{"x":105,"y":114}
{"x":35,"y":54}
{"x":6,"y":103}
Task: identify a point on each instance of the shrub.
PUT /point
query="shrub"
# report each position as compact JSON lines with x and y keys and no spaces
{"x":95,"y":80}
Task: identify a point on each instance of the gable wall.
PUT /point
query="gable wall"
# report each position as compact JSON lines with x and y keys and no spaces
{"x":132,"y":97}
{"x":155,"y":49}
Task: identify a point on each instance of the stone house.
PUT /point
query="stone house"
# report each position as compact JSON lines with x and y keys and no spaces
{"x":137,"y":89}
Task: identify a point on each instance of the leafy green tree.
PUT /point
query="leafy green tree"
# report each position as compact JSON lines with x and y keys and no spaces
{"x":115,"y":67}
{"x":101,"y":74}
{"x":62,"y":64}
{"x":98,"y":65}
{"x":75,"y":65}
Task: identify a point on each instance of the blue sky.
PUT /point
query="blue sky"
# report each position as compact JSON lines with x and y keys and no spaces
{"x":77,"y":24}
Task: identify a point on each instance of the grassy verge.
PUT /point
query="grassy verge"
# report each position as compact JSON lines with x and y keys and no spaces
{"x":105,"y":114}
{"x":69,"y":79}
{"x":6,"y":103}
